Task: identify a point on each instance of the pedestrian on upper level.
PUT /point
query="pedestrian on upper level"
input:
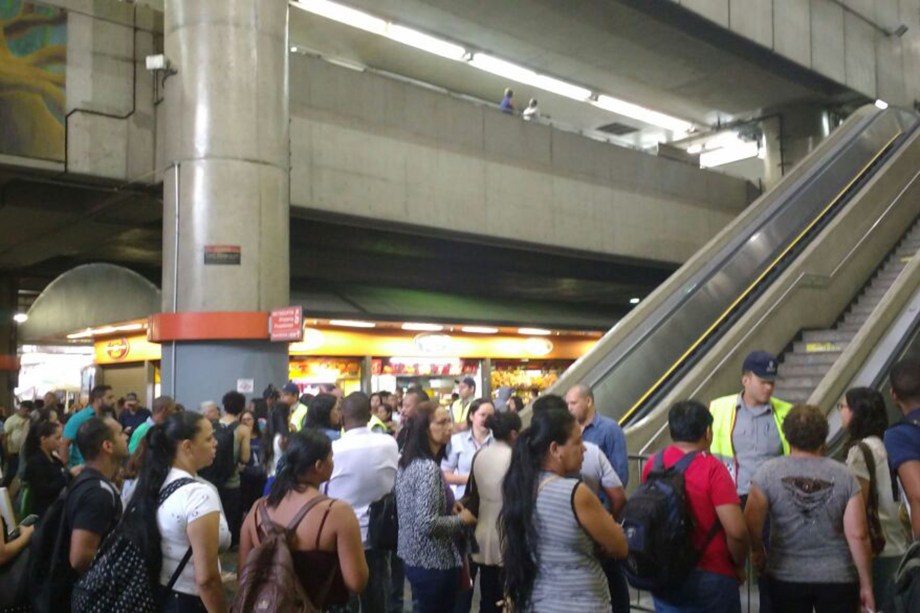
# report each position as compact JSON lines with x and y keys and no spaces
{"x":507,"y":103}
{"x":532,"y":112}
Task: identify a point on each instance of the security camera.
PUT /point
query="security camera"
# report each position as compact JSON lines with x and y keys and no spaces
{"x":157,"y":62}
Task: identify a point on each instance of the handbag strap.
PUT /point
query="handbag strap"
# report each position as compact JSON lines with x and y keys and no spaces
{"x":870,"y":465}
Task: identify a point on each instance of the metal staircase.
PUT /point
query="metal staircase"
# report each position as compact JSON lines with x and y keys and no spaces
{"x":803,"y":368}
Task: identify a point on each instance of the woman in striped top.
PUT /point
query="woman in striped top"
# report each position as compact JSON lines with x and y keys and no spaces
{"x":552,"y":524}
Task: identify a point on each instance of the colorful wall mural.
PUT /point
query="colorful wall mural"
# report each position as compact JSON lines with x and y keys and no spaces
{"x":33,"y":59}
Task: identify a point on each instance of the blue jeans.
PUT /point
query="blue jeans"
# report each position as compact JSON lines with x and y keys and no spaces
{"x":433,"y":591}
{"x":701,"y":592}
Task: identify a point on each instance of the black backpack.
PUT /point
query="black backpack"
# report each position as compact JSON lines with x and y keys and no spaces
{"x":907,"y":581}
{"x":224,"y":458}
{"x":51,"y":575}
{"x":659,"y":528}
{"x":119,"y":578}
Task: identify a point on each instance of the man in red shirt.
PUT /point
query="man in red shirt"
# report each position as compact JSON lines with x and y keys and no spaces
{"x":711,"y":495}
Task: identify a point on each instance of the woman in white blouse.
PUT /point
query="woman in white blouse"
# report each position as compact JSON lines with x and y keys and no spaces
{"x":864,"y":417}
{"x":176,"y":517}
{"x":464,"y":445}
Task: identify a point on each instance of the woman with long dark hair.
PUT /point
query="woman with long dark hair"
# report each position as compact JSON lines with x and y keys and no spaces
{"x":45,"y":473}
{"x":863,"y":415}
{"x":172,"y":512}
{"x":327,"y":541}
{"x":274,"y":440}
{"x":551,"y":524}
{"x":324,"y":415}
{"x":429,"y":518}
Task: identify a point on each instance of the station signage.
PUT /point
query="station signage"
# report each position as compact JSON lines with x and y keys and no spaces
{"x":286,"y":324}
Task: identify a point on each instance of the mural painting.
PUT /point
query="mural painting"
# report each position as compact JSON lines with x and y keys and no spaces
{"x":33,"y":57}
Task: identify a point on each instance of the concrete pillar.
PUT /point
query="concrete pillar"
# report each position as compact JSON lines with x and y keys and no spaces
{"x":226,"y":195}
{"x":367,"y":367}
{"x":9,"y":360}
{"x":791,"y":132}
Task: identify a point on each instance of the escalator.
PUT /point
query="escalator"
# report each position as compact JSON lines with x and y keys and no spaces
{"x":860,"y":179}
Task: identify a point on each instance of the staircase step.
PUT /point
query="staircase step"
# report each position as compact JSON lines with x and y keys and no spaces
{"x":812,"y":358}
{"x":793,"y":395}
{"x":805,"y":347}
{"x":826,"y":336}
{"x":787,"y":371}
{"x":863,"y":309}
{"x":808,"y":381}
{"x":851,"y":326}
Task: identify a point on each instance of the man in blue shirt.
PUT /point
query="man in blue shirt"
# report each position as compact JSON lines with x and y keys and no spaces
{"x":595,"y":428}
{"x":902,"y":440}
{"x":101,"y":403}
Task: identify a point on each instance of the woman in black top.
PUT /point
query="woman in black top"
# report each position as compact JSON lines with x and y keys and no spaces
{"x":45,"y":473}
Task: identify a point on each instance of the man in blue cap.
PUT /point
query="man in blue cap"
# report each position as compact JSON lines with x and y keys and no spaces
{"x":747,"y":427}
{"x":747,"y":430}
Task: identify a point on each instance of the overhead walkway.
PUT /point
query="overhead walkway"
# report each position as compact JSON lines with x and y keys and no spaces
{"x":793,"y":261}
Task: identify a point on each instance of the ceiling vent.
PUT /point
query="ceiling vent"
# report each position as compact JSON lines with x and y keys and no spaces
{"x":617,"y":129}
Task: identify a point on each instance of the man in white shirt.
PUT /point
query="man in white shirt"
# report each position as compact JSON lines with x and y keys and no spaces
{"x":365,"y":471}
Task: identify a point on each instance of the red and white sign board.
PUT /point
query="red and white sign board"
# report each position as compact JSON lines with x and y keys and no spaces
{"x":286,"y":324}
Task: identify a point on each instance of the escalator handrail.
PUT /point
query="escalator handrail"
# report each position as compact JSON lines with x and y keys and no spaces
{"x":757,"y":281}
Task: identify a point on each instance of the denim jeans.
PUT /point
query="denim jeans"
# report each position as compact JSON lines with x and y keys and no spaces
{"x":701,"y":592}
{"x":433,"y":591}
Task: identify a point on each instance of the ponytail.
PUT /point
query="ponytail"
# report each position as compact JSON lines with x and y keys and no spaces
{"x":140,"y":518}
{"x":517,"y":525}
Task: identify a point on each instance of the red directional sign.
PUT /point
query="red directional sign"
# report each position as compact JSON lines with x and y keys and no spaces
{"x":286,"y":324}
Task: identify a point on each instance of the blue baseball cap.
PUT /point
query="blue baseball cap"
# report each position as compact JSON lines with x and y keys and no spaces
{"x":761,"y":363}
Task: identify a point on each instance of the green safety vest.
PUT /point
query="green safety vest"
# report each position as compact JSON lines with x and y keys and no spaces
{"x":724,"y":410}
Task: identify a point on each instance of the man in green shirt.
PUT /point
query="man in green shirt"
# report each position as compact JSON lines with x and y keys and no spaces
{"x":163,"y":407}
{"x":101,"y":403}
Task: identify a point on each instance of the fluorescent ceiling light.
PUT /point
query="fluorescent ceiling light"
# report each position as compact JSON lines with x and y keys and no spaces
{"x":640,"y":113}
{"x":129,"y":327}
{"x":726,"y":155}
{"x":561,"y":88}
{"x":534,"y":332}
{"x":633,"y":301}
{"x":417,"y":327}
{"x":479,"y":330}
{"x":351,"y":323}
{"x":84,"y":334}
{"x":343,"y":14}
{"x":20,"y":318}
{"x":505,"y":69}
{"x":881,"y":104}
{"x":420,"y":40}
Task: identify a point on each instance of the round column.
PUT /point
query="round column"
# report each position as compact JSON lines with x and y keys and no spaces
{"x":226,"y":197}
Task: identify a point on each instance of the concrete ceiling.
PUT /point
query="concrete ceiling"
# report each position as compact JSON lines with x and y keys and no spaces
{"x":644,"y":52}
{"x":51,"y":226}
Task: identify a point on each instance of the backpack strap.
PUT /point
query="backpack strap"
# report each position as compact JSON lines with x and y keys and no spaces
{"x":682,"y":464}
{"x":322,"y":523}
{"x":295,"y":521}
{"x":658,"y":461}
{"x":165,"y":493}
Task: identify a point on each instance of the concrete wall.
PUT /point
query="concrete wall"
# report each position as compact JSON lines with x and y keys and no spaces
{"x":110,"y":110}
{"x":367,"y":145}
{"x":844,"y":40}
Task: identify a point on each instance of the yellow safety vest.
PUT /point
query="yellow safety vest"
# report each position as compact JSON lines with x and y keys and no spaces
{"x":724,"y":410}
{"x":376,"y":422}
{"x":458,"y":411}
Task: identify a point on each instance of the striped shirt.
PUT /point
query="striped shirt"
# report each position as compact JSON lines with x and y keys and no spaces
{"x":569,"y":576}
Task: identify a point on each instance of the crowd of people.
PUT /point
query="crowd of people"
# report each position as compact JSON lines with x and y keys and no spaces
{"x":376,"y":491}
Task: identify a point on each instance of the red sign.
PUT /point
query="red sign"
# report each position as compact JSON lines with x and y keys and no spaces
{"x":286,"y":324}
